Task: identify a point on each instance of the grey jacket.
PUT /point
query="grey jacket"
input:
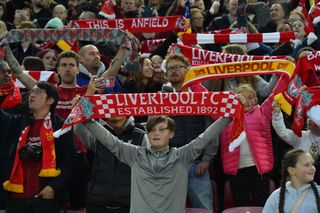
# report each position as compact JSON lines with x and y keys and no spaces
{"x":159,"y":179}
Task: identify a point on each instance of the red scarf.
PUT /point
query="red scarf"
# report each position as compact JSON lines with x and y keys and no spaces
{"x":199,"y":57}
{"x":136,"y":25}
{"x":202,"y":38}
{"x":13,"y":98}
{"x":305,"y":74}
{"x":307,"y":99}
{"x":15,"y":184}
{"x":147,"y":104}
{"x":148,"y":46}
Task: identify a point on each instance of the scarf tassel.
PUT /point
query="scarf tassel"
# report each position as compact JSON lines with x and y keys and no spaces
{"x":13,"y":187}
{"x":49,"y":172}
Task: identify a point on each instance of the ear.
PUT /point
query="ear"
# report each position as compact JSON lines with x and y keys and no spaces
{"x":291,"y":170}
{"x":50,"y":100}
{"x":171,"y":135}
{"x":80,"y":58}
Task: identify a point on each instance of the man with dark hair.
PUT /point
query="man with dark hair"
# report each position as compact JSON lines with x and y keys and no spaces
{"x":36,"y":166}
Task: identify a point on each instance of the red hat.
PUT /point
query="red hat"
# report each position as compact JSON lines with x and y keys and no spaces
{"x":106,"y":10}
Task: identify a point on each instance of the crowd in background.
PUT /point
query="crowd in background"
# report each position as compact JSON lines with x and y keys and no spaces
{"x":97,"y":180}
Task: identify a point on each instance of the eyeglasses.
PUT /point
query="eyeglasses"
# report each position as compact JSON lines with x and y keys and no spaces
{"x":160,"y":130}
{"x":36,"y":91}
{"x":175,"y":68}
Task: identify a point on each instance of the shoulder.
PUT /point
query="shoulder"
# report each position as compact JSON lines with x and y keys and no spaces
{"x":272,"y":202}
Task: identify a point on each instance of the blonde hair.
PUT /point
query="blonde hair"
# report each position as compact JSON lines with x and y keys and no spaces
{"x":238,"y":49}
{"x":248,"y":88}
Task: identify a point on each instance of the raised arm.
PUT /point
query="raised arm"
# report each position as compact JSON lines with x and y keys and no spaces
{"x":125,"y":152}
{"x":265,"y":88}
{"x":285,"y":134}
{"x":192,"y":150}
{"x":86,"y":137}
{"x":15,"y":67}
{"x":119,"y":58}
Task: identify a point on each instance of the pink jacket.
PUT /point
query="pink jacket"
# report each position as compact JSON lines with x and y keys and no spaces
{"x":258,"y":133}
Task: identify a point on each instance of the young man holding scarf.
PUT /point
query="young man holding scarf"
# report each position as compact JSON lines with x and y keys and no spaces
{"x":36,"y":166}
{"x":187,"y":129}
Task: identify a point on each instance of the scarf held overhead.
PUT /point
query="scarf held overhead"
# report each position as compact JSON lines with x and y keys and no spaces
{"x":307,"y":73}
{"x":136,"y":25}
{"x":147,"y":104}
{"x":110,"y":36}
{"x":15,"y":183}
{"x":235,"y":69}
{"x":200,"y":56}
{"x":307,"y":99}
{"x":276,"y":37}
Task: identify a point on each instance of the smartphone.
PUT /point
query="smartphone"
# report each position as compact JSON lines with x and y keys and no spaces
{"x":106,"y":83}
{"x":147,"y":12}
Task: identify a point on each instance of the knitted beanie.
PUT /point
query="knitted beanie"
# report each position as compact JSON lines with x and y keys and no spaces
{"x":54,"y":23}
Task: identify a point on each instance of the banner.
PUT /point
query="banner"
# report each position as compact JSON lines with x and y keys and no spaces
{"x":198,"y":56}
{"x":235,"y":69}
{"x":276,"y":37}
{"x":148,"y":104}
{"x":136,"y":25}
{"x":109,"y":36}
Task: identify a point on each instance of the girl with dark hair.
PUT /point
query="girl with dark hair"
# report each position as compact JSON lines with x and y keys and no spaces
{"x":300,"y":193}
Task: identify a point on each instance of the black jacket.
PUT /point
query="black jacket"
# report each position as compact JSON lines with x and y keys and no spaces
{"x":111,"y":180}
{"x":11,"y":127}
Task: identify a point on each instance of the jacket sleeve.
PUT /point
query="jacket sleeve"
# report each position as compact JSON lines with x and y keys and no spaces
{"x":285,"y":134}
{"x":272,"y":203}
{"x":125,"y":152}
{"x":86,"y":137}
{"x":191,"y":151}
{"x":266,"y":106}
{"x":265,"y":88}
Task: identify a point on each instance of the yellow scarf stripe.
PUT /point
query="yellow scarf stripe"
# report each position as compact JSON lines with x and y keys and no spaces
{"x":17,"y":188}
{"x":237,"y":69}
{"x":49,"y":172}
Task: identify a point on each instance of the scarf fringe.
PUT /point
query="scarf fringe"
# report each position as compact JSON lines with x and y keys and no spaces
{"x":285,"y":105}
{"x":12,"y":187}
{"x":49,"y":172}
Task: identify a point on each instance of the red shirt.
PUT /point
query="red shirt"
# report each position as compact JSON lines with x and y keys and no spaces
{"x":31,"y":168}
{"x":63,"y":108}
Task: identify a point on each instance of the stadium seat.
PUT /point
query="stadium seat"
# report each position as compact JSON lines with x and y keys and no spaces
{"x":244,"y":209}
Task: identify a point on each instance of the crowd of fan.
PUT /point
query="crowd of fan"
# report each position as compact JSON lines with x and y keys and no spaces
{"x":92,"y":176}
